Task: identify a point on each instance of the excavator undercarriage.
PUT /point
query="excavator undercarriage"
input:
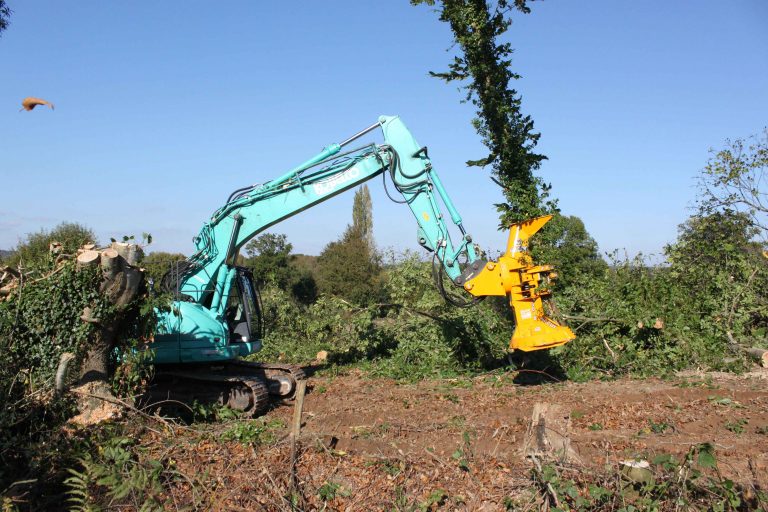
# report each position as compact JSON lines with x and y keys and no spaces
{"x":245,"y":386}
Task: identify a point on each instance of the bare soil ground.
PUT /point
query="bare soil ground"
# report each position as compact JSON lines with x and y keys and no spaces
{"x":376,"y":444}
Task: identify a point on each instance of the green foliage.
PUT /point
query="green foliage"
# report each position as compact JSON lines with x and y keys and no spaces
{"x":34,"y":250}
{"x":737,"y":426}
{"x":723,"y":273}
{"x":435,"y":499}
{"x":42,"y":320}
{"x":114,"y":474}
{"x":653,"y":319}
{"x":39,"y":322}
{"x":157,"y":263}
{"x":350,"y":268}
{"x":329,"y":490}
{"x":272,"y":264}
{"x":415,"y":335}
{"x":484,"y":67}
{"x":253,"y":432}
{"x":269,"y":258}
{"x":693,"y":483}
{"x":661,"y":427}
{"x":565,"y":243}
{"x":362,"y":215}
{"x":5,"y":256}
{"x":134,"y":372}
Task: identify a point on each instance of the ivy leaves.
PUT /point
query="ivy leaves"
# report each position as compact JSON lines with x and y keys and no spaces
{"x":484,"y":68}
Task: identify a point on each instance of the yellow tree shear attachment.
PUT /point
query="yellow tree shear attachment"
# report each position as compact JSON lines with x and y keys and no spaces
{"x":516,"y":276}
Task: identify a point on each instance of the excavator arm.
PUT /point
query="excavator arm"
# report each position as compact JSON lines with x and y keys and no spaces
{"x":194,"y":325}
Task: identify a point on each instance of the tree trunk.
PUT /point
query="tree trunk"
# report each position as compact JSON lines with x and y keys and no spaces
{"x":95,"y":366}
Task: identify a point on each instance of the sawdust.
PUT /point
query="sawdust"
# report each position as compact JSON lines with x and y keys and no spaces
{"x":94,"y":402}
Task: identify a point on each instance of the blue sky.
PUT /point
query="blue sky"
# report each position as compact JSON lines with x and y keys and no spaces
{"x":163,"y":108}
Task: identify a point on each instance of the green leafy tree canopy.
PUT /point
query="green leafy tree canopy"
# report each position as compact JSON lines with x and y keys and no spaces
{"x":269,"y":256}
{"x":35,"y":249}
{"x":350,"y":267}
{"x":734,"y":179}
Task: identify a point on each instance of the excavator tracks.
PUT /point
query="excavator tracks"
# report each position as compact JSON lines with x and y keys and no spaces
{"x":281,"y":378}
{"x":242,"y":385}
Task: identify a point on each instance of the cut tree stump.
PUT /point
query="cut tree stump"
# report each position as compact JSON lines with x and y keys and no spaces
{"x":120,"y":284}
{"x":110,"y":264}
{"x":88,"y":258}
{"x":548,"y":434}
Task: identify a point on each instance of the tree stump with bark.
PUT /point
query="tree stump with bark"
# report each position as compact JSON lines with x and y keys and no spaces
{"x":120,"y":285}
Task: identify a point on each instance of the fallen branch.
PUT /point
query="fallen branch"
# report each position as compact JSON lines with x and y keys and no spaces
{"x":613,"y":355}
{"x":588,"y":319}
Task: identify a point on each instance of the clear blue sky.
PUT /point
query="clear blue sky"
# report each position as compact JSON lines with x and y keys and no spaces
{"x":163,"y":108}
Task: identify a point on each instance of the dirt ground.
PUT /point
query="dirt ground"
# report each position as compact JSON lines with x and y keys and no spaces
{"x":376,"y":444}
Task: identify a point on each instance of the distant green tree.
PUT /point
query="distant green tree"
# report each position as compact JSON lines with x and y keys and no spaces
{"x":157,"y":263}
{"x":5,"y":256}
{"x":722,"y":270}
{"x":269,"y":257}
{"x":347,"y":269}
{"x":566,"y":244}
{"x":350,"y":267}
{"x":483,"y":66}
{"x":34,"y":250}
{"x":362,"y":215}
{"x":272,"y":264}
{"x":5,"y":16}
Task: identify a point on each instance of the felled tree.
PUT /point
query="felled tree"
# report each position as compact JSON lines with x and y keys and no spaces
{"x":483,"y":69}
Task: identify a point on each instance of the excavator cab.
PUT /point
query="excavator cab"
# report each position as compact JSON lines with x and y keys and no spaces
{"x":243,"y":313}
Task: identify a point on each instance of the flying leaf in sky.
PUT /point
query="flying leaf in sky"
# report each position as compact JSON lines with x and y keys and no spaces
{"x":29,"y":103}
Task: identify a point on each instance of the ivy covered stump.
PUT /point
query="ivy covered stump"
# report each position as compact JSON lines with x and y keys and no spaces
{"x":120,"y":285}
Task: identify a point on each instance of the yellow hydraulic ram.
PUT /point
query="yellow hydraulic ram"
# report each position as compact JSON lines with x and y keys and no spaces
{"x":515,"y":275}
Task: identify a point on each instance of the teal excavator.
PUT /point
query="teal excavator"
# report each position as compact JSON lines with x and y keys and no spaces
{"x":215,"y":318}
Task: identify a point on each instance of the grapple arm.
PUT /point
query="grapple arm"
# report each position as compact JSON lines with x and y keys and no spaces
{"x":516,"y":276}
